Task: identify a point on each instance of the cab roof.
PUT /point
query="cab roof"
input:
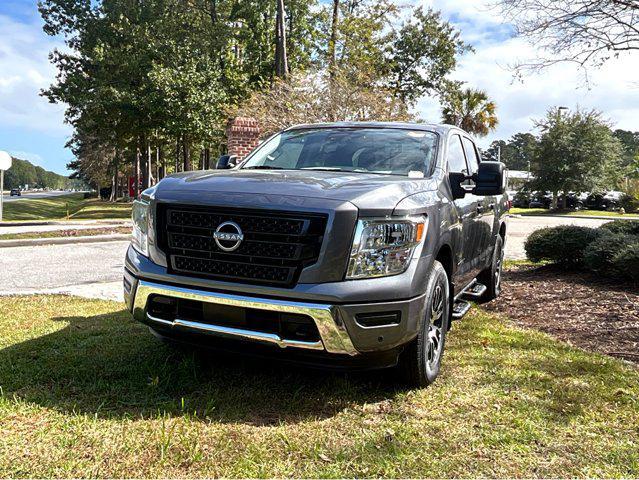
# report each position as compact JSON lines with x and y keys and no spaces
{"x":431,"y":127}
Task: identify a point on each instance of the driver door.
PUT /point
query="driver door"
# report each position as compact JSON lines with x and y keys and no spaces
{"x":466,"y":209}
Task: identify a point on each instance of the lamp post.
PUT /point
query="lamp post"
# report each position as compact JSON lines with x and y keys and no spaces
{"x":5,"y":164}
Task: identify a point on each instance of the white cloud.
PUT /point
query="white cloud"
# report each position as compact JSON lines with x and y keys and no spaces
{"x":612,"y":89}
{"x":24,"y":71}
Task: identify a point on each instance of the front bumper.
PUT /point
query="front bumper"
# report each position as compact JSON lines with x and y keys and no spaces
{"x":340,"y":331}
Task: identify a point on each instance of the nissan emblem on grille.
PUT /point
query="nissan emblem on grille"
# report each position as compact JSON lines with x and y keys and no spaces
{"x":228,"y":236}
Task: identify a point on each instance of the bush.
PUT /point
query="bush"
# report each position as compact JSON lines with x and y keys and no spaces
{"x":627,"y":227}
{"x":564,"y":244}
{"x":599,"y":255}
{"x":629,"y":203}
{"x":626,"y":261}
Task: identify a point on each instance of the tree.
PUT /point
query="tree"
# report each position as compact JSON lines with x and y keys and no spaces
{"x":576,"y":152}
{"x":630,"y":144}
{"x":421,"y":54}
{"x":584,"y":32}
{"x":470,"y":110}
{"x":517,"y":153}
{"x":308,"y":98}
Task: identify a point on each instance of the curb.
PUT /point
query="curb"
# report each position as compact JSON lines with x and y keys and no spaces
{"x":35,"y":242}
{"x":37,"y":223}
{"x":593,"y":217}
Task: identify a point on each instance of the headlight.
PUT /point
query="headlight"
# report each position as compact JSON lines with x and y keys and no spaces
{"x":384,"y":247}
{"x":140,"y":216}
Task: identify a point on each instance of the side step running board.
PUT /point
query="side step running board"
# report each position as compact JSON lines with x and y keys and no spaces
{"x":475,"y":292}
{"x":460,"y":308}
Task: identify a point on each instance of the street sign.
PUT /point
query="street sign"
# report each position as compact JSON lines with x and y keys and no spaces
{"x":5,"y":161}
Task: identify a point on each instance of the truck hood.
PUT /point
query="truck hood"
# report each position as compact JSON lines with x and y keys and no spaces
{"x":372,"y":194}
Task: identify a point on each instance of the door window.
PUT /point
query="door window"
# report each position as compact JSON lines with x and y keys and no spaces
{"x":471,"y":155}
{"x":456,"y":159}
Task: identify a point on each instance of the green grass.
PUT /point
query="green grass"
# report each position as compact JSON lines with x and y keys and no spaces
{"x":571,"y":213}
{"x":86,"y":392}
{"x":72,"y":206}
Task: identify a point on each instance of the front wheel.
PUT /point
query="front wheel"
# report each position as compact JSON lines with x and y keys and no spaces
{"x":420,"y":362}
{"x":491,"y":277}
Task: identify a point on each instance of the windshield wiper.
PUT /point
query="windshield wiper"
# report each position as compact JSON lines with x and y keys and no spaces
{"x":325,"y":169}
{"x":263,"y":167}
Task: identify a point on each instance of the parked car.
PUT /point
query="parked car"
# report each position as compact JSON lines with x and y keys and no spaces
{"x":344,"y":244}
{"x":604,"y":200}
{"x":521,"y":199}
{"x":15,"y":192}
{"x":540,"y":200}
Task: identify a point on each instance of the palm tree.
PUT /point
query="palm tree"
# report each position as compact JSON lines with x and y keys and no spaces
{"x":470,"y":110}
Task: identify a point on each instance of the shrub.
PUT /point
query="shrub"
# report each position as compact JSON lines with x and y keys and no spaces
{"x":627,"y":227}
{"x":626,"y":261}
{"x":599,"y":255}
{"x":564,"y":244}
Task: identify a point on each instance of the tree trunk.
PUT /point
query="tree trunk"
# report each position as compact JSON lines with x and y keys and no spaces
{"x":177,"y":154}
{"x":564,"y":200}
{"x":186,"y":154}
{"x":136,"y":175}
{"x":149,"y":166}
{"x":281,"y":60}
{"x":114,"y":181}
{"x":332,"y":42}
{"x":555,"y":196}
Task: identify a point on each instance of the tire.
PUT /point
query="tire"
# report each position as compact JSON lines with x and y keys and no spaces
{"x":491,"y":277}
{"x":420,"y":361}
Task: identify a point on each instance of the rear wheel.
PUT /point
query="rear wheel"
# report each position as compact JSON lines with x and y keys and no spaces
{"x":420,"y":362}
{"x":491,"y":277}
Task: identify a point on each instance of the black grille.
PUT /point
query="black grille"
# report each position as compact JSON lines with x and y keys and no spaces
{"x":275,"y":248}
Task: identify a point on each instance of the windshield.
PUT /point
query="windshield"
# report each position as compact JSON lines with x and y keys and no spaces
{"x":367,"y":150}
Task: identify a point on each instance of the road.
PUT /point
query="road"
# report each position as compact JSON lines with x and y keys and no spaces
{"x":32,"y":195}
{"x":520,"y":227}
{"x":88,"y":269}
{"x":95,"y":269}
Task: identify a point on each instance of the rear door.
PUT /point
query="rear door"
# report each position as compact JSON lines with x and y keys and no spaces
{"x":485,"y":219}
{"x":467,"y":213}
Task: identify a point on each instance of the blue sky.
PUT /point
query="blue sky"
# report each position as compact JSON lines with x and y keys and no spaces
{"x":32,"y":128}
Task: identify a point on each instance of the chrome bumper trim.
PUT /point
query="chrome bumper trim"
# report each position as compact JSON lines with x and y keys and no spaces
{"x":334,"y":337}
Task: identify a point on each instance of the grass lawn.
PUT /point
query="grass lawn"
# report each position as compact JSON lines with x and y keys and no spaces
{"x":86,"y":392}
{"x":58,"y":208}
{"x":571,"y":213}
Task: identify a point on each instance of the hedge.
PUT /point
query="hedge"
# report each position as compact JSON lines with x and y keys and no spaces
{"x":599,"y":255}
{"x":564,"y":244}
{"x":626,"y":261}
{"x":628,"y":227}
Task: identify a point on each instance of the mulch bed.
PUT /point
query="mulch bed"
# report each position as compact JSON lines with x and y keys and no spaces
{"x":580,"y":308}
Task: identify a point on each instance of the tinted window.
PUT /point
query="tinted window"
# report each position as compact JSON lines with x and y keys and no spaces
{"x":471,"y":155}
{"x":363,"y":150}
{"x":456,"y":159}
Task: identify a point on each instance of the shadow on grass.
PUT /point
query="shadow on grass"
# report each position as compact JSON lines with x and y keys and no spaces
{"x":110,"y":366}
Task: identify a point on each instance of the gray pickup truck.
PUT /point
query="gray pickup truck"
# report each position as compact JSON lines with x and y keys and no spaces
{"x":349,"y":245}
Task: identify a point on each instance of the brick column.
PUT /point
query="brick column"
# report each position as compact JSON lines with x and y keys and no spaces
{"x":242,"y":136}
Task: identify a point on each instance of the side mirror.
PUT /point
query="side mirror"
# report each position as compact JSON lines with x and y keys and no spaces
{"x":226,"y":161}
{"x":456,"y":184}
{"x":490,"y":179}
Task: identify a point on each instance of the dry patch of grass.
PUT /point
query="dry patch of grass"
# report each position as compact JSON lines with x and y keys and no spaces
{"x":88,"y":392}
{"x":84,"y":232}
